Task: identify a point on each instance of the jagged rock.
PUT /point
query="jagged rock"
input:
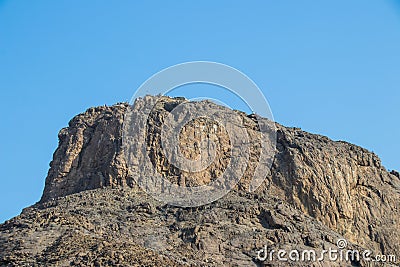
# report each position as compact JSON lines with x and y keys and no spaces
{"x":89,"y":153}
{"x":93,"y":213}
{"x":395,"y":173}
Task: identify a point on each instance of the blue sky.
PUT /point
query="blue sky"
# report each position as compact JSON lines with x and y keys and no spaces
{"x":329,"y":67}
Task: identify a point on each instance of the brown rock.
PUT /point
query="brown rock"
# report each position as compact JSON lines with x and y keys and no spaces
{"x":93,"y":213}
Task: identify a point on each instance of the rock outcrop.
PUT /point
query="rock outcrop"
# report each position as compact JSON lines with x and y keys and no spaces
{"x":93,"y":213}
{"x":89,"y":153}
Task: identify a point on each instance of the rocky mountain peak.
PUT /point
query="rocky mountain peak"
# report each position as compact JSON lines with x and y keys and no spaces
{"x":317,"y":190}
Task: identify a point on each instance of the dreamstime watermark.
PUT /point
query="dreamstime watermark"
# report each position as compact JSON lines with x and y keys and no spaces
{"x":339,"y":253}
{"x":142,"y":115}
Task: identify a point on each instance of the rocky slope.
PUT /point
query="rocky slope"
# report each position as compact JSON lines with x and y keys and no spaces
{"x":93,"y":213}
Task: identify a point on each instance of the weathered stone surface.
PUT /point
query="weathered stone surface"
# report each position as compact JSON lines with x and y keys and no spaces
{"x":89,"y":153}
{"x":342,"y":185}
{"x":317,"y":191}
{"x":126,"y":227}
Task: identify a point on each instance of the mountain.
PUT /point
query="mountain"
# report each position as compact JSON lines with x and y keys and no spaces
{"x":94,"y":213}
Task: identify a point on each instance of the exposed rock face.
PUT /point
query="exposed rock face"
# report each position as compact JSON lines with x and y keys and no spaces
{"x":113,"y":227}
{"x":317,"y":191}
{"x":341,"y":185}
{"x":89,"y":153}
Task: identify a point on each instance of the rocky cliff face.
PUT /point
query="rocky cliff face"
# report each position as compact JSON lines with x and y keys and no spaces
{"x":317,"y":191}
{"x":89,"y":153}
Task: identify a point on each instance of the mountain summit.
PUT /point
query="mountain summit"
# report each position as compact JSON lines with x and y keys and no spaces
{"x":93,"y":213}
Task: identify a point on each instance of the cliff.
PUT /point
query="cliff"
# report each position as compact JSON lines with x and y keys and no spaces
{"x":93,"y":213}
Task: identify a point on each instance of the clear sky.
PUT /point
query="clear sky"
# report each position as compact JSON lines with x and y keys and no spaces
{"x":329,"y":67}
